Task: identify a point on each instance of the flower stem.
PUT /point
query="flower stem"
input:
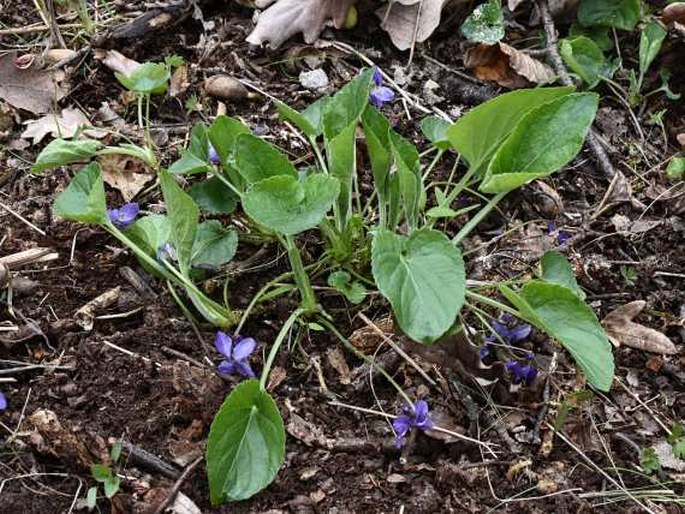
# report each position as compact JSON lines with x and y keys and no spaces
{"x":473,"y":222}
{"x":277,"y":345}
{"x":492,"y":303}
{"x":308,"y":303}
{"x":330,"y":326}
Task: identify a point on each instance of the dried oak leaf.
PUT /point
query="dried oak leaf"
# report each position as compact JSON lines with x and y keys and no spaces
{"x":125,"y":173}
{"x":65,"y":126}
{"x":507,"y":66}
{"x":407,"y":21}
{"x":621,"y":329}
{"x":286,"y":18}
{"x":31,"y":88}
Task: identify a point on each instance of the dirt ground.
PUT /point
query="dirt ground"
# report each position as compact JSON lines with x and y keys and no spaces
{"x":145,"y":376}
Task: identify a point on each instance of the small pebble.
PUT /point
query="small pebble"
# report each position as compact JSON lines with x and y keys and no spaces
{"x":314,"y":80}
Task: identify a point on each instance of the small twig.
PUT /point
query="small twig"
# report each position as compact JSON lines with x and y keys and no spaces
{"x":177,"y":486}
{"x":146,"y":460}
{"x":395,"y":347}
{"x":552,"y":50}
{"x":22,"y":219}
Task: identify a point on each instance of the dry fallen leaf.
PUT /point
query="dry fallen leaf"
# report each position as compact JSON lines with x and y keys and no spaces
{"x":179,"y":81}
{"x":407,"y":21}
{"x":621,"y":329}
{"x":286,"y":18}
{"x":507,"y":66}
{"x":65,"y":126}
{"x":116,"y":61}
{"x":337,"y":360}
{"x":125,"y":173}
{"x":28,"y":88}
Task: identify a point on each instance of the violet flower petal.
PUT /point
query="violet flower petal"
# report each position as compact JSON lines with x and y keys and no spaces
{"x":562,"y":237}
{"x":484,"y":351}
{"x":213,"y":155}
{"x":519,"y":333}
{"x":244,"y":348}
{"x":380,"y":95}
{"x":226,"y":368}
{"x":377,"y":77}
{"x":551,"y":227}
{"x":243,"y":368}
{"x":402,"y":425}
{"x":3,"y":402}
{"x":224,"y":344}
{"x":123,"y":216}
{"x":501,"y":330}
{"x":421,"y":420}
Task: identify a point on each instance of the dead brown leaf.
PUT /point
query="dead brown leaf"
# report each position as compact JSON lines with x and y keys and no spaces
{"x":407,"y":21}
{"x":30,"y":88}
{"x":507,"y":66}
{"x":125,"y":173}
{"x":179,"y":81}
{"x":116,"y":61}
{"x":337,"y":360}
{"x":621,"y":329}
{"x":66,"y":125}
{"x":286,"y":18}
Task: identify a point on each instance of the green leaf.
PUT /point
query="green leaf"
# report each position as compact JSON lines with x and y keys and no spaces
{"x":546,"y":139}
{"x":600,"y":35}
{"x":377,"y":135}
{"x":255,"y":159}
{"x":60,"y":152}
{"x":651,"y":39}
{"x":144,"y":154}
{"x":92,"y":498}
{"x":584,"y":58}
{"x":557,"y":270}
{"x":343,"y":283}
{"x":100,"y":472}
{"x":408,"y":171}
{"x":196,"y":158}
{"x":115,"y":452}
{"x":84,"y":199}
{"x":287,"y":205}
{"x":676,"y":433}
{"x":149,"y":78}
{"x":478,"y":133}
{"x":621,"y":14}
{"x":190,"y":164}
{"x":309,"y":121}
{"x":423,"y":278}
{"x":111,"y":486}
{"x":214,"y":245}
{"x":223,"y":134}
{"x":341,"y":115}
{"x":212,"y":196}
{"x":150,"y":233}
{"x":558,"y":311}
{"x":649,"y":460}
{"x":679,"y":448}
{"x":246,"y":444}
{"x":183,"y":214}
{"x":485,"y":24}
{"x":435,"y":130}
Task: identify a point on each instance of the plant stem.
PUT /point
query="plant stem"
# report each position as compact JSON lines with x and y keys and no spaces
{"x":319,"y":155}
{"x":330,"y":326}
{"x":140,"y":111}
{"x":255,"y":299}
{"x":473,"y":222}
{"x":86,"y":21}
{"x":432,"y":165}
{"x":308,"y":300}
{"x":492,"y":303}
{"x":277,"y":345}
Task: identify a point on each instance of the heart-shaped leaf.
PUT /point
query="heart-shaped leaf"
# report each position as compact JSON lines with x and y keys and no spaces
{"x":212,"y":196}
{"x":557,"y":270}
{"x":622,"y":14}
{"x":558,"y":311}
{"x":60,"y":152}
{"x":423,"y":278}
{"x":149,"y":78}
{"x":287,"y":205}
{"x":214,"y":245}
{"x":435,"y":129}
{"x":585,"y":58}
{"x":544,"y":140}
{"x":255,"y":159}
{"x":246,"y":444}
{"x":309,"y":121}
{"x":84,"y":199}
{"x":183,"y":215}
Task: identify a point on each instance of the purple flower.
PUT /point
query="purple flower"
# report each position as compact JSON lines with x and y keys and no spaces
{"x":411,"y":418}
{"x":562,"y":237}
{"x":508,"y":331}
{"x":213,"y":156}
{"x":123,"y":216}
{"x":166,"y":251}
{"x":236,"y":356}
{"x":380,"y":94}
{"x":3,"y":402}
{"x":522,"y":372}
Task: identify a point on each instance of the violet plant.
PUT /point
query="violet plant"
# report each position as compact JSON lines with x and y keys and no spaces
{"x":388,"y":240}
